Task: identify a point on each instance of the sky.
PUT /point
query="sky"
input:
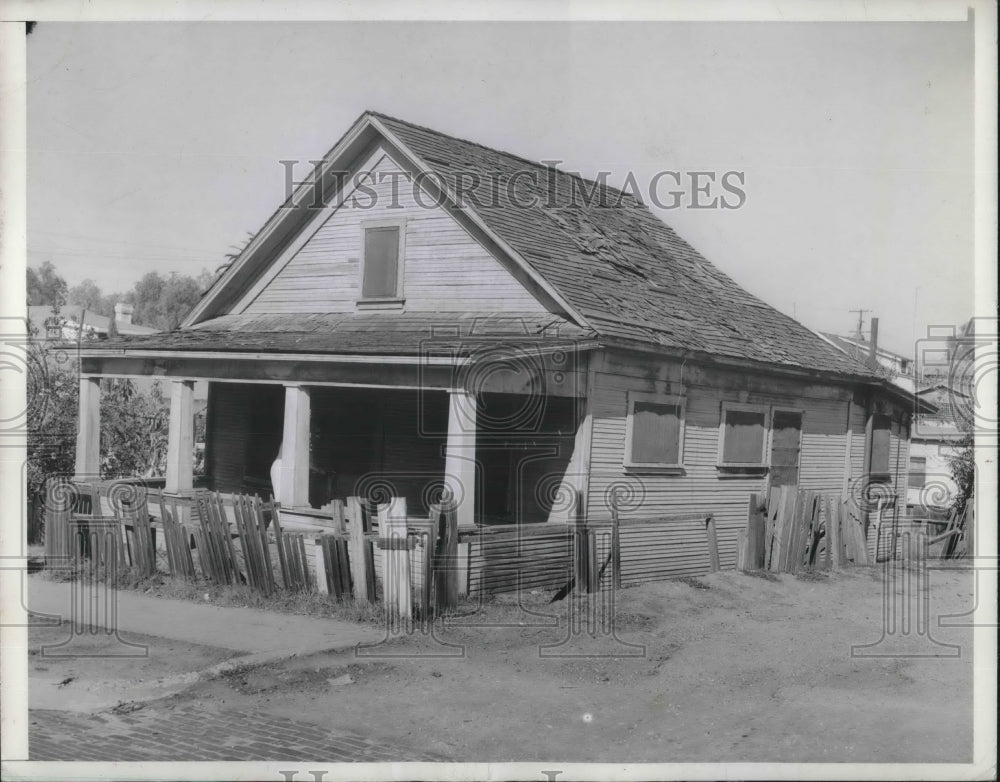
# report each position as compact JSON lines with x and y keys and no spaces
{"x":156,"y":146}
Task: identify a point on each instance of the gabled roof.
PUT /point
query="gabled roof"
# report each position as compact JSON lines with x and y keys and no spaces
{"x":616,"y":269}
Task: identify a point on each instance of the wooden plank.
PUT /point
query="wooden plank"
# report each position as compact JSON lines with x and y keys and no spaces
{"x":279,"y":544}
{"x":756,"y":526}
{"x":581,"y":555}
{"x":713,"y":543}
{"x":359,"y":554}
{"x":337,"y":514}
{"x":742,"y":553}
{"x":395,"y":562}
{"x":616,"y":549}
{"x":445,"y":564}
{"x":593,"y":578}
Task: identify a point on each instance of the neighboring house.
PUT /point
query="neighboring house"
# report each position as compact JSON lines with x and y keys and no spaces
{"x":898,"y":368}
{"x":385,"y":335}
{"x":72,"y":322}
{"x":933,"y":442}
{"x":61,"y":325}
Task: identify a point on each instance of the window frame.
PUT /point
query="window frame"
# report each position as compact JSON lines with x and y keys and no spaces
{"x":910,"y":474}
{"x":765,"y":458}
{"x":397,"y":300}
{"x":872,"y":474}
{"x":680,"y":402}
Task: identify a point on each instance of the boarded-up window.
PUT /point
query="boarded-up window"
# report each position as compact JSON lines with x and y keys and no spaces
{"x":918,"y":472}
{"x":655,"y":435}
{"x":786,"y":441}
{"x":381,"y":268}
{"x":879,"y":464}
{"x":743,"y":433}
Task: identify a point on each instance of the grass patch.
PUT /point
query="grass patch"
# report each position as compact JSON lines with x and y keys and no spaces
{"x":237,"y":595}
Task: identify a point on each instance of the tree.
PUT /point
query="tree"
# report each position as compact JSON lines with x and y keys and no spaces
{"x":134,"y":425}
{"x":52,"y":393}
{"x":89,"y":296}
{"x":961,"y":377}
{"x":45,"y":286}
{"x":163,"y":302}
{"x":962,"y":464}
{"x":134,"y":428}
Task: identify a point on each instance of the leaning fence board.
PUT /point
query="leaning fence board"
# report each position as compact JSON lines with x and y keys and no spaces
{"x":361,"y":561}
{"x":445,"y":562}
{"x":395,"y":562}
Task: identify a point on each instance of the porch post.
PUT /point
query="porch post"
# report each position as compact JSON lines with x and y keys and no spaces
{"x":88,"y":433}
{"x":293,"y":475}
{"x":460,"y":454}
{"x":180,"y":438}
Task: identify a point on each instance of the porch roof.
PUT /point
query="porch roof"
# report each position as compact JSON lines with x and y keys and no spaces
{"x":369,"y":333}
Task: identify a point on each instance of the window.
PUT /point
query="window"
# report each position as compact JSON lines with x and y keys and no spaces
{"x":742,"y":435}
{"x":654,"y":433}
{"x":786,"y":442}
{"x":879,"y":453}
{"x":917,"y":472}
{"x":382,"y":263}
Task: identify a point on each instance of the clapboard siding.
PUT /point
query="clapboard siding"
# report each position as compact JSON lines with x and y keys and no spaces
{"x":702,"y":487}
{"x":824,"y":443}
{"x":656,"y":549}
{"x":445,"y":269}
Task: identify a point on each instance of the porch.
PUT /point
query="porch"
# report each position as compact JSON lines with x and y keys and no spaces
{"x":494,"y":429}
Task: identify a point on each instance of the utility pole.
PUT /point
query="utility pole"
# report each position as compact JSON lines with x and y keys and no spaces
{"x":861,"y":316}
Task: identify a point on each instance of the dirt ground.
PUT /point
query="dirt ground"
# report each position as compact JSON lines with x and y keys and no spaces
{"x":729,"y":667}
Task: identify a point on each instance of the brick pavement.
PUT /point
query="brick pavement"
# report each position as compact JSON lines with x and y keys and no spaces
{"x":198,"y":732}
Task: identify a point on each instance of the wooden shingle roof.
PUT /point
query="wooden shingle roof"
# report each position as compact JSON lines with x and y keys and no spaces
{"x":622,"y":268}
{"x":371,"y":333}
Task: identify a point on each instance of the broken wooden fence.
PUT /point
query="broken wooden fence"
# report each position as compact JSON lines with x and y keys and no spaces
{"x":791,"y":529}
{"x":177,"y":539}
{"x":214,"y":542}
{"x":139,"y":540}
{"x":419,"y":571}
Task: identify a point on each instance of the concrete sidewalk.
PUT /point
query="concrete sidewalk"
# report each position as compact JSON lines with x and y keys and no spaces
{"x":264,"y":635}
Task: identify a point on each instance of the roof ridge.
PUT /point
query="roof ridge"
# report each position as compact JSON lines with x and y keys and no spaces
{"x":503,"y":152}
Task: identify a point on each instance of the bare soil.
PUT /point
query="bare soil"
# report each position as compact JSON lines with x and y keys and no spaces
{"x":723,"y":668}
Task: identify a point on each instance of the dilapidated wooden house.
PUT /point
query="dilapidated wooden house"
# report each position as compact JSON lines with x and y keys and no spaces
{"x":425,"y":314}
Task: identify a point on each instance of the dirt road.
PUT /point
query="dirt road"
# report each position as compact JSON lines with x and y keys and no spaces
{"x":729,"y":667}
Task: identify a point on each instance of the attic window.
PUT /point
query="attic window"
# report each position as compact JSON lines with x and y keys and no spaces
{"x":382,"y":263}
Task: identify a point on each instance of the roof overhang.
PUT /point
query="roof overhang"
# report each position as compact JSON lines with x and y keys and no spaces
{"x":877,"y":384}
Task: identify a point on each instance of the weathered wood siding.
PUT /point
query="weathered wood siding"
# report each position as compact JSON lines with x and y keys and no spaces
{"x":702,"y":487}
{"x":444,"y":268}
{"x":824,"y":441}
